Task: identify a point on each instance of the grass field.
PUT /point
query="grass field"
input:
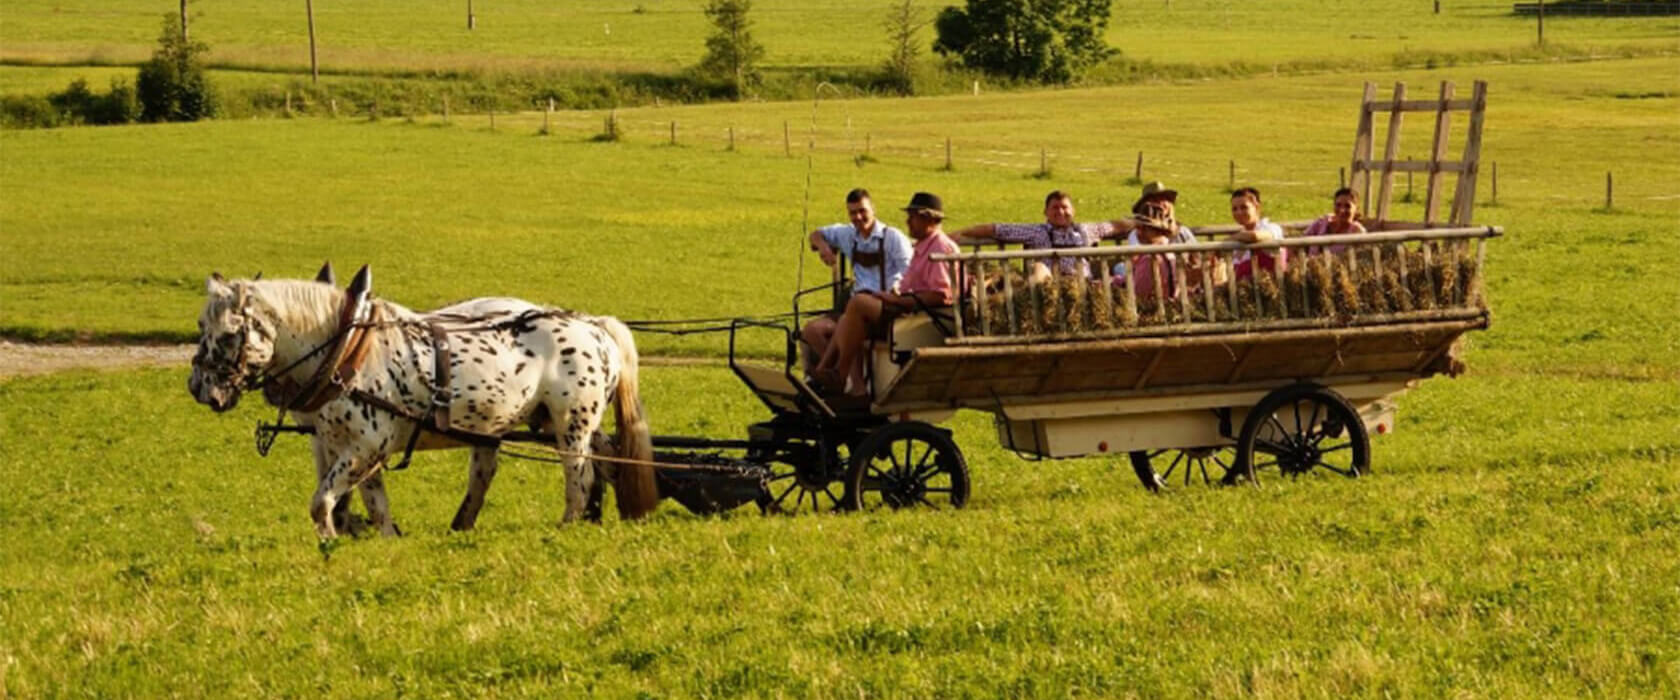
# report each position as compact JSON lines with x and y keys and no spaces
{"x":1517,"y":538}
{"x":122,"y":224}
{"x":669,"y":34}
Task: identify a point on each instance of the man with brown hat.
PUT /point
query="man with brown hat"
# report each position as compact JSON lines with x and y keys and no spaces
{"x":926,"y":284}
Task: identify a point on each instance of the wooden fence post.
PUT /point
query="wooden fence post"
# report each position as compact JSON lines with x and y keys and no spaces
{"x":1137,"y":172}
{"x":732,"y":138}
{"x":673,"y":132}
{"x":948,"y":153}
{"x":288,"y":96}
{"x":1609,"y":191}
{"x":1495,"y":183}
{"x":1232,"y":186}
{"x":1341,"y":176}
{"x":787,"y":140}
{"x":1043,"y":162}
{"x":547,"y":115}
{"x":446,"y":109}
{"x":333,"y":103}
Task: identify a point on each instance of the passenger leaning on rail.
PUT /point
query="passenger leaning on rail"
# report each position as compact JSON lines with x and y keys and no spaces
{"x":1059,"y":230}
{"x":879,"y":255}
{"x":926,"y":284}
{"x":1153,"y":225}
{"x":1245,"y":210}
{"x":1343,"y":219}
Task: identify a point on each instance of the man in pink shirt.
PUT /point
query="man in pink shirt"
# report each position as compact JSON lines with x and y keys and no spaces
{"x":926,"y":284}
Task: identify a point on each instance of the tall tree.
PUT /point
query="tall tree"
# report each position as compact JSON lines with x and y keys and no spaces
{"x":904,"y":27}
{"x":1052,"y":41}
{"x":731,"y":52}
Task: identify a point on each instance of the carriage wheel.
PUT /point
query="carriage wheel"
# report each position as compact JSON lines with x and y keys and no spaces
{"x":907,"y":464}
{"x":1206,"y":465}
{"x":1301,"y":429}
{"x":797,"y":490}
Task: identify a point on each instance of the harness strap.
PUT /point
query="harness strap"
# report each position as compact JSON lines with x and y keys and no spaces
{"x":439,"y":407}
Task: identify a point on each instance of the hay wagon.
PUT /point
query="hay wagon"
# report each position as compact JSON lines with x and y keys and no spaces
{"x":1207,"y":376}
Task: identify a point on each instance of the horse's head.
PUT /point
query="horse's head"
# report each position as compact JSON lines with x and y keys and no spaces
{"x":235,"y":343}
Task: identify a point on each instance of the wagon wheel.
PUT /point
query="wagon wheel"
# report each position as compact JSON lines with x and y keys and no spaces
{"x":1207,"y":465}
{"x":907,"y":464}
{"x":1300,"y":429}
{"x":802,"y":488}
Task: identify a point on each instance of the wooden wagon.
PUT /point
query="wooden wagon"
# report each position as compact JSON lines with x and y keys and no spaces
{"x":1205,"y":376}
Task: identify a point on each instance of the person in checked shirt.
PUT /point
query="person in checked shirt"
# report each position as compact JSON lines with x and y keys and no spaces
{"x":1059,"y":230}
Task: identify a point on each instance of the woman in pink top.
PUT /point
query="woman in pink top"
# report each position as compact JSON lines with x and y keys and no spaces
{"x":1345,"y":219}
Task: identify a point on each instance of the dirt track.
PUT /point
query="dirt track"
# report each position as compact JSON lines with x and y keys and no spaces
{"x":25,"y":359}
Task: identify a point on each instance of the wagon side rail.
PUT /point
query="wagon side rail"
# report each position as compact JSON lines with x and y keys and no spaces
{"x":1219,"y":287}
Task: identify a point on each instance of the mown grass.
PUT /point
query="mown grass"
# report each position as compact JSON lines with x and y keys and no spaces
{"x":121,"y":225}
{"x":1515,"y":540}
{"x":517,"y":35}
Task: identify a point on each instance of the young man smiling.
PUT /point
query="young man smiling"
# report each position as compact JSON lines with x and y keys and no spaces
{"x":879,"y":255}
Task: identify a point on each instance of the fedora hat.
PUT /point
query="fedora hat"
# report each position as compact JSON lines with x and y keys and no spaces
{"x":1155,"y":190}
{"x":926,"y":203}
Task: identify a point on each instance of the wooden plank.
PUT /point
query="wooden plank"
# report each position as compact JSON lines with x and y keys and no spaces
{"x":1415,"y":166}
{"x":1443,"y":122}
{"x":1456,"y":321}
{"x":1424,"y":105}
{"x":1359,"y":179}
{"x":1147,"y":371}
{"x":1391,"y":150}
{"x":987,"y":401}
{"x":1464,"y":200}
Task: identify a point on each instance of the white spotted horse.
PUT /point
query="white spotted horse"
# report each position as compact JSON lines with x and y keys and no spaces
{"x":376,"y":380}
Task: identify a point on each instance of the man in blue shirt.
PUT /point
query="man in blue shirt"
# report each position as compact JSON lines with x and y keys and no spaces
{"x":879,"y":255}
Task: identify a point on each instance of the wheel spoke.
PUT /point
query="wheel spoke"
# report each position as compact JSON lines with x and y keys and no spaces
{"x":785,"y":493}
{"x":925,"y":457}
{"x":1282,"y":431}
{"x":927,"y":502}
{"x":939,"y":489}
{"x":1269,"y":447}
{"x":1338,"y":448}
{"x":1313,"y":425}
{"x":828,"y":489}
{"x":1263,"y":465}
{"x":1201,"y":464}
{"x":1296,"y":405}
{"x":1344,"y":472}
{"x":1168,"y":473}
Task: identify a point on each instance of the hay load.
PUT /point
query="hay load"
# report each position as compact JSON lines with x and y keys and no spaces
{"x":1339,"y":289}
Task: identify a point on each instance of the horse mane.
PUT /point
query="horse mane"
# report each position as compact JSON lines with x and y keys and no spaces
{"x":301,"y":305}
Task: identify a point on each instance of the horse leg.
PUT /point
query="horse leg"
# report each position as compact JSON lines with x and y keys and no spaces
{"x":378,"y":505}
{"x":599,"y":446}
{"x":333,"y":487}
{"x":479,"y":476}
{"x":341,"y":511}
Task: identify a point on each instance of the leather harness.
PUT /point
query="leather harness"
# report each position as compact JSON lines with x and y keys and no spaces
{"x":348,"y":350}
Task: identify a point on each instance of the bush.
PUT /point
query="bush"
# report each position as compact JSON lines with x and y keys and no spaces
{"x":172,"y":86}
{"x":28,"y":111}
{"x":79,"y":105}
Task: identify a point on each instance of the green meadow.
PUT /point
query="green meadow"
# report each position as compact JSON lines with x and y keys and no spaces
{"x":384,"y":35}
{"x":1516,"y":539}
{"x":116,"y":228}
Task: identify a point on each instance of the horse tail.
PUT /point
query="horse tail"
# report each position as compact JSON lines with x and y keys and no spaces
{"x":637,"y":491}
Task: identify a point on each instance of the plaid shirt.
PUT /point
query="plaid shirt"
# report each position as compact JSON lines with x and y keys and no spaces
{"x":1039,"y":236}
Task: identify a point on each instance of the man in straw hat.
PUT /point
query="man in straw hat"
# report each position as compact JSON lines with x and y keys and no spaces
{"x":926,"y":284}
